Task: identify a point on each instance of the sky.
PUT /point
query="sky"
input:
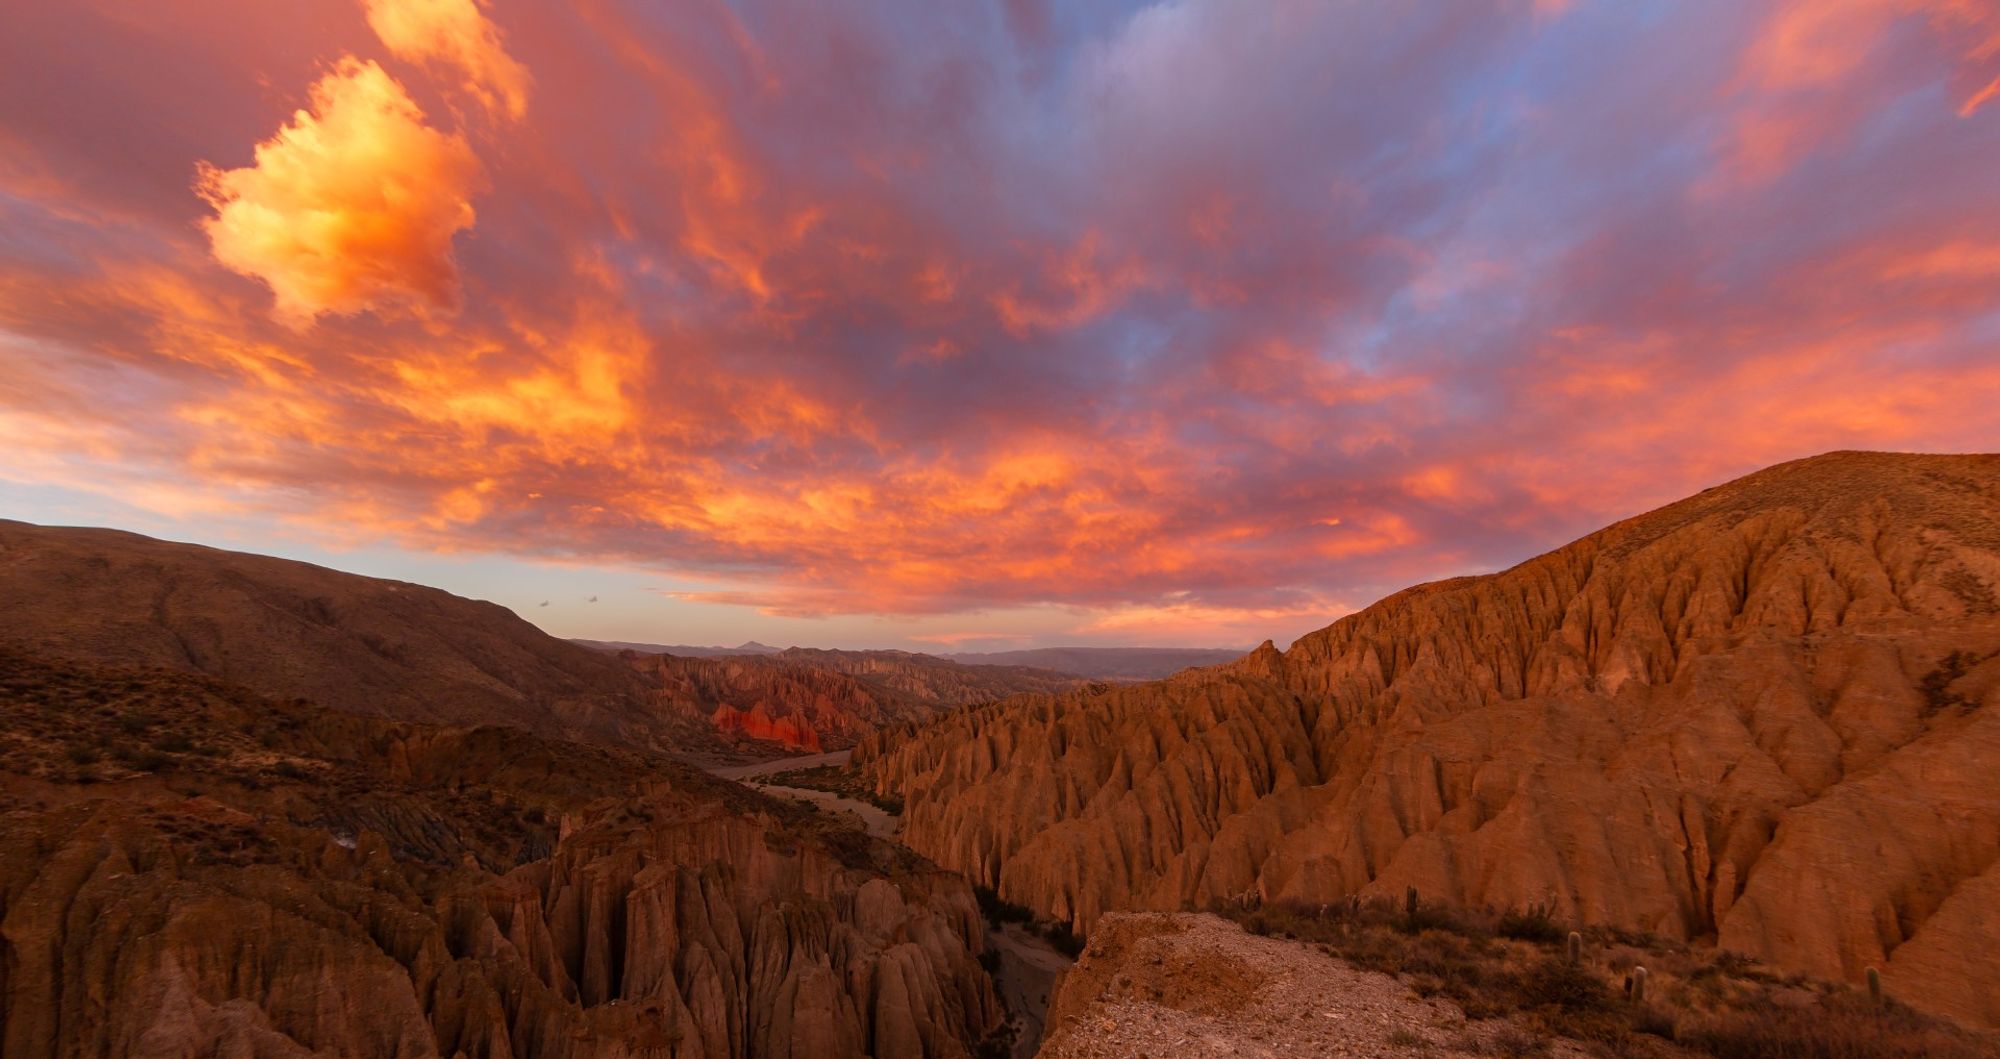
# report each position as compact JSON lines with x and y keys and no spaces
{"x":974,"y":325}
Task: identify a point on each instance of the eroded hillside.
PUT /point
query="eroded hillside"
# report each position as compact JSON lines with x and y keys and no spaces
{"x":289,"y":629}
{"x":814,"y":700}
{"x":249,"y":876}
{"x":1761,"y":715}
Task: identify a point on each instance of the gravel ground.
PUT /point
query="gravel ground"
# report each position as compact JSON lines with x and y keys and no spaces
{"x":1196,"y":986}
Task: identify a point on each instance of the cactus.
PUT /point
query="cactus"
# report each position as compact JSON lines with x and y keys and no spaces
{"x":1639,"y":985}
{"x":1575,"y":946}
{"x":1410,"y":903}
{"x":1875,"y":987}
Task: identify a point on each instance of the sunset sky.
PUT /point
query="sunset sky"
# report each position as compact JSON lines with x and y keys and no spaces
{"x":974,"y":324}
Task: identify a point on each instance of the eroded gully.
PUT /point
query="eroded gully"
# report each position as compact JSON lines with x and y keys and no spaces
{"x":1027,"y":965}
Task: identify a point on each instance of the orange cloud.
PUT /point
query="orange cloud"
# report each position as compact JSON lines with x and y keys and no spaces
{"x":835,"y":317}
{"x":1182,"y":619}
{"x":1980,"y":98}
{"x":1806,"y":52}
{"x":351,"y":206}
{"x":454,"y":33}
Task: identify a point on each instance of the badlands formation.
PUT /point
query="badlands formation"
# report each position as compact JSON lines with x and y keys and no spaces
{"x":1762,"y":716}
{"x":815,"y":700}
{"x":188,"y":868}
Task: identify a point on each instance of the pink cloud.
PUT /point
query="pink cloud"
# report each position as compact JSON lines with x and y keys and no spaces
{"x":1183,"y":319}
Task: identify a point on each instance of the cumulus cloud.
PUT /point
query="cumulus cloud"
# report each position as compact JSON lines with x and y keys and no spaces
{"x":352,"y":205}
{"x":455,"y":34}
{"x":1185,"y":317}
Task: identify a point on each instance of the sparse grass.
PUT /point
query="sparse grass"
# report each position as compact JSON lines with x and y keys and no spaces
{"x":1842,"y":1027}
{"x":1512,"y":965}
{"x":1406,"y":1038}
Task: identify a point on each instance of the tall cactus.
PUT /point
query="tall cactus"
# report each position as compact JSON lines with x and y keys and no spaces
{"x":1575,"y":947}
{"x":1874,"y":987}
{"x":1639,"y":977}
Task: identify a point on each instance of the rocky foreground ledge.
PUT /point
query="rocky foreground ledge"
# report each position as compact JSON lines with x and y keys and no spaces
{"x":1195,"y":986}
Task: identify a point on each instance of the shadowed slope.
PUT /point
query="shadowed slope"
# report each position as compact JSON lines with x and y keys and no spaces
{"x":360,"y":644}
{"x":1761,"y":714}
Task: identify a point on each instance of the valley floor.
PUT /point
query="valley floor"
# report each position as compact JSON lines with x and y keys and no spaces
{"x":776,"y":765}
{"x":1026,"y":967}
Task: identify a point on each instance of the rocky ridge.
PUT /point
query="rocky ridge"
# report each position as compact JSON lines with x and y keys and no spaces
{"x":1193,"y":986}
{"x":294,"y":630}
{"x":1760,"y":716}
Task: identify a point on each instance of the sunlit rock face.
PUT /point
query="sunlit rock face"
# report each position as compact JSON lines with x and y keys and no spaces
{"x":1763,"y":715}
{"x":285,"y":880}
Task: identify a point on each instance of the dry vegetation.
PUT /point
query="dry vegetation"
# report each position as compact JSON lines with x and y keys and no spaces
{"x":840,"y":780}
{"x":72,"y":733}
{"x":1697,"y":1002}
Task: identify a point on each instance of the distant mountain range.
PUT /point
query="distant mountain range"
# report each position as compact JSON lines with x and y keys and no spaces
{"x":1108,"y":663}
{"x":1090,"y":663}
{"x":684,"y":650}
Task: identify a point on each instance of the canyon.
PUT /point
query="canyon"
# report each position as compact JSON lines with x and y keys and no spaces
{"x":810,"y":700}
{"x":280,"y":811}
{"x":405,"y":651}
{"x":1760,"y":717}
{"x":251,"y":876}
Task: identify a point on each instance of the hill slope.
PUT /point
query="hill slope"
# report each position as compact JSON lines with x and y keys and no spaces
{"x":291,"y":629}
{"x":1761,"y":715}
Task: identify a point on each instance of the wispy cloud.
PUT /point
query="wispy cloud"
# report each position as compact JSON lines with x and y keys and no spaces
{"x":1164,"y":318}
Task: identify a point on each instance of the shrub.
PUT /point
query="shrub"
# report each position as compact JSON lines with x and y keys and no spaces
{"x":134,"y":723}
{"x":999,"y":910}
{"x":1515,"y":1042}
{"x":1536,"y":922}
{"x":140,"y":760}
{"x":1839,"y":1029}
{"x":1560,"y":983}
{"x":1063,"y":938}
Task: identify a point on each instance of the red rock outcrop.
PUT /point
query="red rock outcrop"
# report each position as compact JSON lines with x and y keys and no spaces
{"x":189,"y":869}
{"x":814,"y":700}
{"x":1763,"y":715}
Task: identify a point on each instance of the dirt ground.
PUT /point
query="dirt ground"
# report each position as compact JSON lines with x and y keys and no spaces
{"x":1190,"y":986}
